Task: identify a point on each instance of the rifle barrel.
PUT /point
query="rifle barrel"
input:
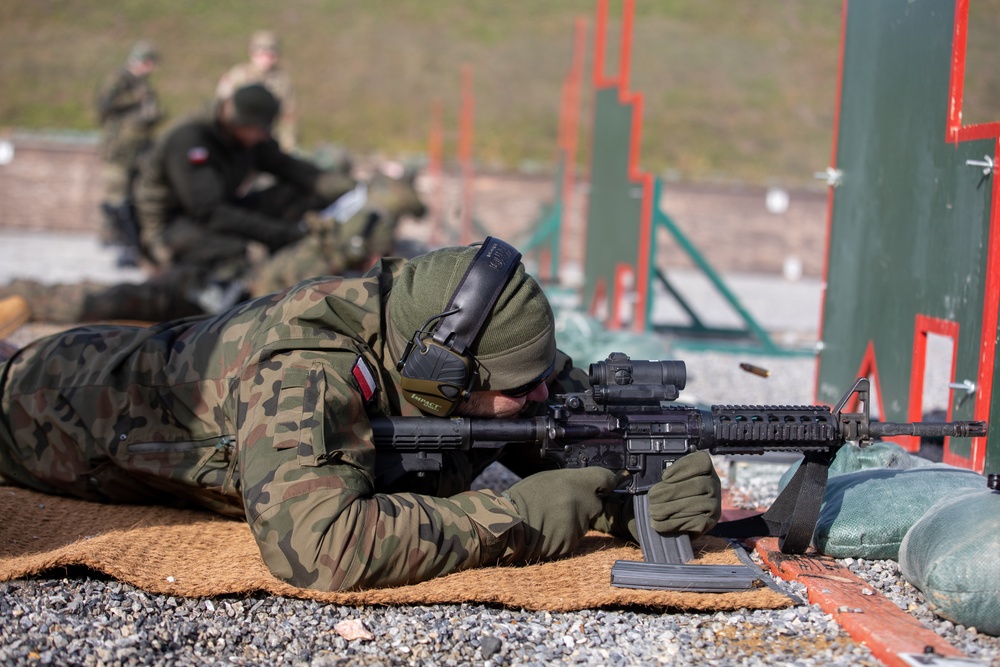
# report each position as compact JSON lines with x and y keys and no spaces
{"x":963,"y":429}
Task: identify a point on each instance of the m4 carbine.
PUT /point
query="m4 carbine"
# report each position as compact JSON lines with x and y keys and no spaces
{"x":627,"y":421}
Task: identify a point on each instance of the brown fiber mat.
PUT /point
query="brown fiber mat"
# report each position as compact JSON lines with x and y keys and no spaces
{"x":195,"y":554}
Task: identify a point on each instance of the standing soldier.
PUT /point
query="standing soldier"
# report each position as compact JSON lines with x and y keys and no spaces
{"x":128,"y":111}
{"x":263,"y":68}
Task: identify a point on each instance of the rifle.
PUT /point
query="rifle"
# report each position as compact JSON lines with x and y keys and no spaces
{"x":627,"y":421}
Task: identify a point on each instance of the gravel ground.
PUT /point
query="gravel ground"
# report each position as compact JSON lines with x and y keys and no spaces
{"x":76,"y":618}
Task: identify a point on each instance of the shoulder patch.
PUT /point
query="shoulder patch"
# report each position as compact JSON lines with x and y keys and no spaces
{"x":365,"y":378}
{"x":198,"y":155}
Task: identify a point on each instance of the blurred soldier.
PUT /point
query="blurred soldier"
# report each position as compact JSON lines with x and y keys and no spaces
{"x":350,"y":236}
{"x":264,"y":68}
{"x":128,"y":111}
{"x":332,"y":246}
{"x":189,"y":202}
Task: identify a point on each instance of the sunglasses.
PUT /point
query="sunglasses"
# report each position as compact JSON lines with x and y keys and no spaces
{"x":528,"y":387}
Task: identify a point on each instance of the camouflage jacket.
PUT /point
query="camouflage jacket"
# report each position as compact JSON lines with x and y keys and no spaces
{"x":128,"y":110}
{"x":262,"y":412}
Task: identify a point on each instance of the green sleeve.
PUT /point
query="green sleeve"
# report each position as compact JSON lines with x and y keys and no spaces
{"x":306,"y":465}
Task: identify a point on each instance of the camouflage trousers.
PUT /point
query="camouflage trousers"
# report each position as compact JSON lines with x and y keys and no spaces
{"x":173,"y":293}
{"x":70,"y":460}
{"x":165,"y":297}
{"x":318,"y":254}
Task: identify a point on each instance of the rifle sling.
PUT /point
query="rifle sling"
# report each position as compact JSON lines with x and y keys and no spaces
{"x":792,"y":516}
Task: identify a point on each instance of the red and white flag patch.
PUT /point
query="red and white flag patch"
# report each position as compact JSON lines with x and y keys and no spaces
{"x":198,"y":155}
{"x":365,"y":379}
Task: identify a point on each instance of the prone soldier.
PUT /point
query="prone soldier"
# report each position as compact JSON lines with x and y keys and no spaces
{"x":263,"y":412}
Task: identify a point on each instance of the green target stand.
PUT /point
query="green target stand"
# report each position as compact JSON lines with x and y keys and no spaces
{"x":913,"y":225}
{"x":623,"y":217}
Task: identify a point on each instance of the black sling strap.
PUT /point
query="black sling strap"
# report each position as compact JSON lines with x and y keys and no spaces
{"x":792,"y":516}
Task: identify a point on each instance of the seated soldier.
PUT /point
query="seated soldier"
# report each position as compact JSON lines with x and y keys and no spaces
{"x":347,"y":245}
{"x":263,"y":412}
{"x":189,"y":200}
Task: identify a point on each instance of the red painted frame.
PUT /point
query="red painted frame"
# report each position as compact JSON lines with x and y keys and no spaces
{"x":643,"y":179}
{"x":923,"y":326}
{"x":569,"y":142}
{"x":955,"y":132}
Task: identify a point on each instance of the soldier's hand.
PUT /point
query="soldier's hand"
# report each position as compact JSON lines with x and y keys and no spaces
{"x":330,"y":185}
{"x":317,"y":225}
{"x":558,"y":507}
{"x":688,"y":497}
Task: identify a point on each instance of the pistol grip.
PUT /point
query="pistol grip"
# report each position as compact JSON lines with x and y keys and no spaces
{"x":657,"y":548}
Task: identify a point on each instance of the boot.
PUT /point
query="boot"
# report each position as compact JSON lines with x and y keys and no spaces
{"x":61,"y":304}
{"x":14,"y":312}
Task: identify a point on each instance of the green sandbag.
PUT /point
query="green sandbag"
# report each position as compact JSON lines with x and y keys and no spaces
{"x":852,"y":458}
{"x":866,"y":514}
{"x":952,"y":554}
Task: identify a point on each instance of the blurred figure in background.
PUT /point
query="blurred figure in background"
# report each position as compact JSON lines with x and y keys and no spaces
{"x":128,"y":110}
{"x":189,"y":198}
{"x":348,"y":237}
{"x":264,"y":68}
{"x":197,"y":227}
{"x":345,"y":239}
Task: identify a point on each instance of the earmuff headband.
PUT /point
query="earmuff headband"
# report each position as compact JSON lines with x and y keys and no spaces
{"x":436,"y":371}
{"x":476,"y":294}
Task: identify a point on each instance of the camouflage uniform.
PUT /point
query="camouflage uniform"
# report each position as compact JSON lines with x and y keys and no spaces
{"x":341,"y":248}
{"x":128,"y":111}
{"x":171,"y":294}
{"x":256,"y":413}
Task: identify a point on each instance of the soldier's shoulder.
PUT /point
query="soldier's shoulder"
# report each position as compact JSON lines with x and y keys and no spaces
{"x":195,"y":128}
{"x":236,"y":76}
{"x":114,"y":81}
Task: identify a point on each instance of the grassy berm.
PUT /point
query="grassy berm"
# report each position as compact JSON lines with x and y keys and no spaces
{"x":735,"y":90}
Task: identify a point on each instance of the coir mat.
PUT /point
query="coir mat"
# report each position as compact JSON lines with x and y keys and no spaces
{"x":196,"y":554}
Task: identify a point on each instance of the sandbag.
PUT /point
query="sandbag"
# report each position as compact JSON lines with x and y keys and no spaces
{"x":851,"y":458}
{"x":952,"y":554}
{"x":866,"y":514}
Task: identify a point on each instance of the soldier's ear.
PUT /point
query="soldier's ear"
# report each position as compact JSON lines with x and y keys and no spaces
{"x":226,"y":110}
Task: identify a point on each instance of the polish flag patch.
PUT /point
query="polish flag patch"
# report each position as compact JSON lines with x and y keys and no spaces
{"x":365,"y":379}
{"x":198,"y":155}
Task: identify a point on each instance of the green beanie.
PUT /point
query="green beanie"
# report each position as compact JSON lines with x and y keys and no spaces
{"x":516,"y":343}
{"x":255,"y":105}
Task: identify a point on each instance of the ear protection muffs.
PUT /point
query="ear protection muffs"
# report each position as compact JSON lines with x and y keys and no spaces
{"x":436,"y":368}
